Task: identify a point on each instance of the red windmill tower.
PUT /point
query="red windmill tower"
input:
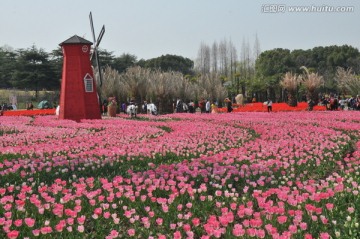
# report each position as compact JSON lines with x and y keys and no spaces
{"x":78,"y":98}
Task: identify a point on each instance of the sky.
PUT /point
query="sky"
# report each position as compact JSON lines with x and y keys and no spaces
{"x":151,"y":28}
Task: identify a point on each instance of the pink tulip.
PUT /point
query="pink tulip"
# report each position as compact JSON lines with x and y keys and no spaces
{"x":12,"y":234}
{"x":159,"y":221}
{"x":303,"y":226}
{"x":251,"y":232}
{"x":60,"y":226}
{"x":282,"y":219}
{"x":324,"y":235}
{"x":329,"y":206}
{"x":113,"y":234}
{"x":36,"y":232}
{"x":70,"y":221}
{"x":29,"y":222}
{"x":238,"y":230}
{"x":106,"y":215}
{"x":18,"y":222}
{"x":45,"y":230}
{"x":81,"y":228}
{"x":8,"y":215}
{"x":177,"y":235}
{"x":351,"y":209}
{"x":131,"y":232}
{"x":186,"y":227}
{"x":195,"y":221}
{"x":81,"y":219}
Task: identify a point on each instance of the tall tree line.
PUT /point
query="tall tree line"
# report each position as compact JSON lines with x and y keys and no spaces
{"x":236,"y":68}
{"x":258,"y":74}
{"x":31,"y":68}
{"x":272,"y":65}
{"x":35,"y":69}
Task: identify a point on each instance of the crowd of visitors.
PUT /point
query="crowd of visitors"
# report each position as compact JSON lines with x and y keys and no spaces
{"x":334,"y":102}
{"x":331,"y":102}
{"x":201,"y":106}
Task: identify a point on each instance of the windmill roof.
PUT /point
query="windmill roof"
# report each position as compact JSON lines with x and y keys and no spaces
{"x":76,"y":40}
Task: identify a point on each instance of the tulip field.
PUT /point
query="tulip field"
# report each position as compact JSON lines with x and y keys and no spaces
{"x":229,"y":175}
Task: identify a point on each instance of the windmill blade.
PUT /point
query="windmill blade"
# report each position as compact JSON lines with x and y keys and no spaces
{"x":98,"y":67}
{"x":93,"y":35}
{"x":96,"y":44}
{"x":92,"y":27}
{"x":101,"y":34}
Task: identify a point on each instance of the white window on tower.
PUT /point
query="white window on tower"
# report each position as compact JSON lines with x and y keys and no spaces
{"x":89,"y":83}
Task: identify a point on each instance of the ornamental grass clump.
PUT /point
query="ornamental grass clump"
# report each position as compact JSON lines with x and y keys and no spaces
{"x":290,"y":82}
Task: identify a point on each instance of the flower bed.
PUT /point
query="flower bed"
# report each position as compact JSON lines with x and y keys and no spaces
{"x":277,"y":107}
{"x":246,"y":175}
{"x":29,"y":112}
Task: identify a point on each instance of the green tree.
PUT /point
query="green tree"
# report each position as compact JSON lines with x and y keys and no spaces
{"x":56,"y":62}
{"x":171,"y":63}
{"x":7,"y":66}
{"x":106,"y":58}
{"x":325,"y":60}
{"x":270,"y":67}
{"x":123,"y":62}
{"x":302,"y":58}
{"x":34,"y":71}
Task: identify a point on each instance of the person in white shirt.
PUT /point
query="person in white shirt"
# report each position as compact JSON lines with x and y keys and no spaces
{"x":207,"y":106}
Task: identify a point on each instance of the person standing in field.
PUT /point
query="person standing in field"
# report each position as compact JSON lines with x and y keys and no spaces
{"x":202,"y":105}
{"x":179,"y":106}
{"x":229,"y":105}
{"x":145,"y":108}
{"x":269,"y":105}
{"x":207,"y":106}
{"x":29,"y":106}
{"x":191,"y":106}
{"x":123,"y":107}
